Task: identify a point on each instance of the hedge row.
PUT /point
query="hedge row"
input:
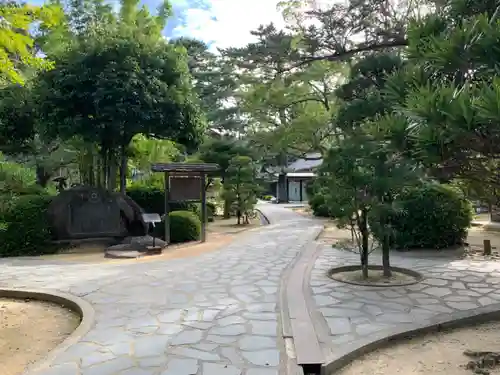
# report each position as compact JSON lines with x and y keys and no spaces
{"x":184,"y":226}
{"x":429,"y":216}
{"x":152,"y":200}
{"x":24,"y":227}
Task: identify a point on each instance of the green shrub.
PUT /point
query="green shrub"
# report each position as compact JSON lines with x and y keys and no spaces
{"x":24,"y":228}
{"x":212,"y":207}
{"x":152,"y":200}
{"x":267,"y":197}
{"x":211,"y":211}
{"x":431,"y":216}
{"x":318,"y":205}
{"x":184,"y":226}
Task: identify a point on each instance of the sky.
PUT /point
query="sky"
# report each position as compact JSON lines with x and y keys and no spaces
{"x":219,"y":23}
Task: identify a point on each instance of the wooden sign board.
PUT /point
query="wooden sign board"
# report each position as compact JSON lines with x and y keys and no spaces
{"x":185,"y":188}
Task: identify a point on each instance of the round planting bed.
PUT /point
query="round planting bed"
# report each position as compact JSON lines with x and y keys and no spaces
{"x":352,"y":275}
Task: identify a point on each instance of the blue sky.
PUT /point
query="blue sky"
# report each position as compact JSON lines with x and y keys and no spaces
{"x":220,"y":23}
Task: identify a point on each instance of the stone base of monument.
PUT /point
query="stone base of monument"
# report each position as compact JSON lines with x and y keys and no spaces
{"x":135,"y":247}
{"x":154,"y":250}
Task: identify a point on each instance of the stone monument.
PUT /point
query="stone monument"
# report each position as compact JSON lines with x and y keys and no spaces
{"x":87,"y":212}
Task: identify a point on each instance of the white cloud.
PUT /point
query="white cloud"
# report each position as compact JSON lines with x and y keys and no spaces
{"x":229,"y":22}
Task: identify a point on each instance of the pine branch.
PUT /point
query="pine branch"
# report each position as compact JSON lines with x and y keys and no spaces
{"x":349,"y":53}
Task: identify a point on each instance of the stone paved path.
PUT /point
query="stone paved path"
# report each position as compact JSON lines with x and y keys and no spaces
{"x":350,"y":313}
{"x":215,"y":314}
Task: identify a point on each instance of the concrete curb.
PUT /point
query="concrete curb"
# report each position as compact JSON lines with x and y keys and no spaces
{"x":346,"y":353}
{"x":77,"y":304}
{"x":263,"y":216}
{"x":417,"y":275}
{"x":295,"y":309}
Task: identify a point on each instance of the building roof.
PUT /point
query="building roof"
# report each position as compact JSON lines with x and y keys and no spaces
{"x":311,"y":161}
{"x":301,"y":174}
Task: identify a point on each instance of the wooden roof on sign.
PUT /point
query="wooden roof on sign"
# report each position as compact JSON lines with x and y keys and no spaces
{"x":185,"y":167}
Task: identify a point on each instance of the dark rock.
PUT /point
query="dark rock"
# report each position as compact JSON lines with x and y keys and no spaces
{"x":142,"y":244}
{"x":88,"y":212}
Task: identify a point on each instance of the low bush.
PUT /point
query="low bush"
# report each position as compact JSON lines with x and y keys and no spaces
{"x":318,"y":205}
{"x":430,"y":216}
{"x":211,"y":211}
{"x":184,"y":226}
{"x":152,"y":200}
{"x":24,"y":227}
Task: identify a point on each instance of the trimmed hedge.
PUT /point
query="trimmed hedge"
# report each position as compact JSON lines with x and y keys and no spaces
{"x":184,"y":226}
{"x":152,"y":200}
{"x":430,"y":216}
{"x":318,"y":205}
{"x":24,"y":227}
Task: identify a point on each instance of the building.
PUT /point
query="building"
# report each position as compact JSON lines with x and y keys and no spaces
{"x":301,"y":172}
{"x":298,"y":174}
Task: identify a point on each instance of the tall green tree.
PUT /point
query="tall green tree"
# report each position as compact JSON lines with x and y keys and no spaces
{"x":221,"y":151}
{"x":240,"y":187}
{"x":216,"y":83}
{"x":446,"y":101}
{"x":18,"y":50}
{"x":108,"y":88}
{"x":363,"y":175}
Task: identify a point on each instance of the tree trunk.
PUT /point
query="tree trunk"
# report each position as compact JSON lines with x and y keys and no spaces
{"x":98,"y":170}
{"x":42,"y":176}
{"x":113,"y":172}
{"x":386,"y":264}
{"x":103,"y":172}
{"x":364,"y":241}
{"x":386,"y":241}
{"x":227,"y":208}
{"x":123,"y":170}
{"x":227,"y":203}
{"x":91,"y":178}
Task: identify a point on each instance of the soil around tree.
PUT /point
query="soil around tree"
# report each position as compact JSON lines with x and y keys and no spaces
{"x":449,"y":352}
{"x":354,"y":275}
{"x":29,"y":330}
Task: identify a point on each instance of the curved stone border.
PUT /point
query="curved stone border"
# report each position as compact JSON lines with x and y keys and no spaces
{"x":346,"y":353}
{"x":263,"y":218}
{"x":74,"y":303}
{"x":297,"y":322}
{"x":418,"y":276}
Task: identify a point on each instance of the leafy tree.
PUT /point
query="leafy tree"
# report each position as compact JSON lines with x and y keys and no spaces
{"x":446,"y":101}
{"x":216,"y":84}
{"x":222,"y":151}
{"x":144,"y":151}
{"x":18,"y":51}
{"x":21,"y":137}
{"x":363,"y":175}
{"x":288,"y":109}
{"x":363,"y":172}
{"x":240,"y":187}
{"x":115,"y":85}
{"x":17,"y":119}
{"x":347,"y":29}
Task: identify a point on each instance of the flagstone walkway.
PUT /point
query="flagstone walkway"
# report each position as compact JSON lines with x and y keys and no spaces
{"x":349,"y":316}
{"x":215,"y":314}
{"x":218,"y":314}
